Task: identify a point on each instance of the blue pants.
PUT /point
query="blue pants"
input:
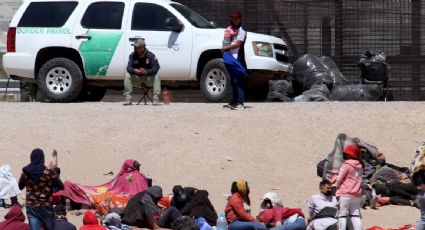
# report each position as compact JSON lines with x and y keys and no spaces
{"x":242,"y":225}
{"x":40,"y":216}
{"x":420,"y":225}
{"x":238,"y":90}
{"x":299,"y":224}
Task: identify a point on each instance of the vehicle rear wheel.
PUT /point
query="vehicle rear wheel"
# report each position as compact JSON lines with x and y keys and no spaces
{"x":60,"y":80}
{"x":215,"y":83}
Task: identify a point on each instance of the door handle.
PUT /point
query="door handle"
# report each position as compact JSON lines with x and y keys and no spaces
{"x":83,"y":36}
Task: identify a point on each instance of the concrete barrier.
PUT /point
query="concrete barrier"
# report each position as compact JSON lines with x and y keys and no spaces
{"x":12,"y":92}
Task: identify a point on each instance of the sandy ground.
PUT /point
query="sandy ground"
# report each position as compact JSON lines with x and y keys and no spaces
{"x":273,"y":146}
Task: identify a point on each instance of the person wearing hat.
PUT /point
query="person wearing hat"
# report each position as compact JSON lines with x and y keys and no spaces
{"x":143,"y":68}
{"x":349,"y":188}
{"x":238,"y":84}
{"x":61,"y":222}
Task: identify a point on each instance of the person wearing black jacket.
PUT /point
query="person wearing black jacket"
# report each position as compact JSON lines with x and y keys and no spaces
{"x":143,"y":67}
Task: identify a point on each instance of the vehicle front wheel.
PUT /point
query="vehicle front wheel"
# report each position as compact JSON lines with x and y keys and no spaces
{"x":215,"y":84}
{"x":60,"y":80}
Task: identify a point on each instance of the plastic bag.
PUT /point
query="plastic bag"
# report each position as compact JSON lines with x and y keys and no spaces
{"x":356,"y":92}
{"x":317,"y":93}
{"x":309,"y":70}
{"x":279,"y":90}
{"x":336,"y":75}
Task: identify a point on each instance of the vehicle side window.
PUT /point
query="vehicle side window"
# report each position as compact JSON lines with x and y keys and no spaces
{"x":148,"y":16}
{"x":47,"y":14}
{"x":103,"y":15}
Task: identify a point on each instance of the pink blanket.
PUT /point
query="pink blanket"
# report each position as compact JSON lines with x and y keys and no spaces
{"x":128,"y":182}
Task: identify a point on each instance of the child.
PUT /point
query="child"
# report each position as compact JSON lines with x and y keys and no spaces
{"x":229,"y":32}
{"x":349,"y":188}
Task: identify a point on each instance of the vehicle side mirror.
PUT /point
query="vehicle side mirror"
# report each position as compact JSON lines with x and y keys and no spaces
{"x":213,"y":24}
{"x":173,"y":24}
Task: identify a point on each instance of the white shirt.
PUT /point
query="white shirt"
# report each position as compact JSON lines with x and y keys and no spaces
{"x":239,"y":37}
{"x":318,"y":202}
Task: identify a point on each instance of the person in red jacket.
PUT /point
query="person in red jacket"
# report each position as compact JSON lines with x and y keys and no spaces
{"x":238,"y":209}
{"x":280,"y":218}
{"x":90,"y":222}
{"x":15,"y":220}
{"x":349,"y":188}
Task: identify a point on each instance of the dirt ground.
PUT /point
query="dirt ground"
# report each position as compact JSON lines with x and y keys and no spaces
{"x":275,"y":146}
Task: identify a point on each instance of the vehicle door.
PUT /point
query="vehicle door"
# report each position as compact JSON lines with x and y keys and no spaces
{"x":173,"y":49}
{"x":99,"y":38}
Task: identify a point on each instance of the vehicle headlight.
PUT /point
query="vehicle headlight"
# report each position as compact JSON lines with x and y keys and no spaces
{"x":263,"y":49}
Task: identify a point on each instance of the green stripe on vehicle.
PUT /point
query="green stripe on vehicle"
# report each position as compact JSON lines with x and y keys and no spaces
{"x":97,"y":52}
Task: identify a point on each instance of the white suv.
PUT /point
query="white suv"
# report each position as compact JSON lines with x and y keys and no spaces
{"x":66,"y":45}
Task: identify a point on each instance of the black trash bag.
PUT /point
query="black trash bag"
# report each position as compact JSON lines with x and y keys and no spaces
{"x":309,"y":70}
{"x":317,"y":93}
{"x":356,"y":92}
{"x":279,"y":90}
{"x":373,"y":66}
{"x":336,"y":75}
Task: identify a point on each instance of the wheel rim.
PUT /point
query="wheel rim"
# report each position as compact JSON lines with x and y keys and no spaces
{"x":216,"y":81}
{"x":58,"y":80}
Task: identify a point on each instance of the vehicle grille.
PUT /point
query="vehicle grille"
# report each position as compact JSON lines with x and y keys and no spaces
{"x":281,"y":52}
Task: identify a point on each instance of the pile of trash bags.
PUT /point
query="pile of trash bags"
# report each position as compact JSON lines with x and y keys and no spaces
{"x":319,"y":79}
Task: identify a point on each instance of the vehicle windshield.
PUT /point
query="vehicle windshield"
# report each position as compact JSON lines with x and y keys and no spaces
{"x":194,"y":18}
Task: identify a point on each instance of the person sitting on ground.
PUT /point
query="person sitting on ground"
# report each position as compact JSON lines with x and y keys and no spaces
{"x":142,"y":210}
{"x":280,"y":218}
{"x":90,"y":222}
{"x":112,"y":221}
{"x":142,"y":67}
{"x":238,"y":209}
{"x":39,"y":182}
{"x":9,"y":188}
{"x":200,"y":206}
{"x":61,"y":222}
{"x":14,"y":220}
{"x":322,"y":208}
{"x":182,"y":196}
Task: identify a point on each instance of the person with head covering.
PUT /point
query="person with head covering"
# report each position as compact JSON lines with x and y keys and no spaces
{"x":39,"y":182}
{"x":90,"y":222}
{"x":200,"y":207}
{"x":349,"y":188}
{"x":182,"y":196}
{"x":61,"y":222}
{"x":9,"y":188}
{"x":274,"y":215}
{"x":112,"y":221}
{"x":143,"y":67}
{"x":238,"y":209}
{"x":142,"y":210}
{"x":15,"y":220}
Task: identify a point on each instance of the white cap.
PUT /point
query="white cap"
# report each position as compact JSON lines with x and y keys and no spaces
{"x":274,"y":198}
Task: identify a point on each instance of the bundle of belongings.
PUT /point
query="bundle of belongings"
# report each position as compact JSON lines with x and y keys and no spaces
{"x":382,"y":183}
{"x":111,"y":195}
{"x":319,"y":79}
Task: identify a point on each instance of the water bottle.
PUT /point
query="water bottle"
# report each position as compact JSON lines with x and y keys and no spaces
{"x":221,"y":222}
{"x":67,"y":205}
{"x":166,"y":96}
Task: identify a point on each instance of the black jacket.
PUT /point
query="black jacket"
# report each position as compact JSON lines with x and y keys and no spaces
{"x":147,"y":61}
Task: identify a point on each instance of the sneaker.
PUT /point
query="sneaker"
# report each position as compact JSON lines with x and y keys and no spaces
{"x":374,"y":202}
{"x":229,"y":106}
{"x":239,"y":107}
{"x":127,"y":103}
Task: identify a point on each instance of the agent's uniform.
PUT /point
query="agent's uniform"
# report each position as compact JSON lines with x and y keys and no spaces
{"x":149,"y":62}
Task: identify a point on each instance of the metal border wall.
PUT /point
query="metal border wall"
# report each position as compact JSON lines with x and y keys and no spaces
{"x":341,"y":29}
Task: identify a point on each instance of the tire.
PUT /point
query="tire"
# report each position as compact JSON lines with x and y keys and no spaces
{"x":91,"y":93}
{"x":215,"y":83}
{"x":60,"y":80}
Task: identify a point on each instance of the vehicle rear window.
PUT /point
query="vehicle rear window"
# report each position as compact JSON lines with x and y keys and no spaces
{"x":103,"y":15}
{"x":47,"y":14}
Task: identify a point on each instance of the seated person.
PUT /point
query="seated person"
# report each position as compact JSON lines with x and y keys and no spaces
{"x":143,"y":67}
{"x":142,"y":210}
{"x":112,"y":221}
{"x":14,"y":219}
{"x":61,"y":222}
{"x":237,"y":210}
{"x":9,"y":188}
{"x":280,"y":218}
{"x":322,"y":208}
{"x":90,"y":222}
